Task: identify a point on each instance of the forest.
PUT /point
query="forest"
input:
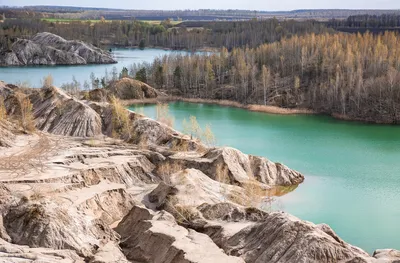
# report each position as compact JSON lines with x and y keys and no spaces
{"x":352,"y":76}
{"x":368,"y":21}
{"x":233,"y":34}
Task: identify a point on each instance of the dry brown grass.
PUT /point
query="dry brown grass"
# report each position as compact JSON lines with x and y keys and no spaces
{"x":278,"y":110}
{"x":26,"y":118}
{"x":143,"y":142}
{"x":48,"y":81}
{"x":86,"y":95}
{"x":120,"y":120}
{"x":166,"y":169}
{"x":185,"y":214}
{"x":32,"y":159}
{"x":36,"y":195}
{"x":3,"y":111}
{"x":180,"y":145}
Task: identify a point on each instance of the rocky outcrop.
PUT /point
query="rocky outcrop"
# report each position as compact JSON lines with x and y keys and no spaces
{"x":49,"y":49}
{"x":284,"y":238}
{"x":387,"y":255}
{"x":110,"y":253}
{"x":155,"y":237}
{"x":6,"y":136}
{"x":125,"y":89}
{"x":46,"y":224}
{"x":99,"y":95}
{"x":56,"y":112}
{"x":236,"y":167}
{"x":10,"y":253}
{"x":131,"y":89}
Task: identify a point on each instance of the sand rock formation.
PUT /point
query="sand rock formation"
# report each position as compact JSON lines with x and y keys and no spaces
{"x":6,"y":136}
{"x":156,"y":237}
{"x":51,"y":226}
{"x":129,"y":89}
{"x":387,"y":255}
{"x":58,"y":113}
{"x":125,"y":89}
{"x":49,"y":49}
{"x":55,"y":112}
{"x":10,"y":253}
{"x":239,"y":168}
{"x":284,"y":238}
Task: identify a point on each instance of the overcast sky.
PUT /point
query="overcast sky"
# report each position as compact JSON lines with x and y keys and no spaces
{"x":268,"y":5}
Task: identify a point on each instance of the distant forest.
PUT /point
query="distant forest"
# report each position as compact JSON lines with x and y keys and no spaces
{"x":251,"y":33}
{"x":363,"y":23}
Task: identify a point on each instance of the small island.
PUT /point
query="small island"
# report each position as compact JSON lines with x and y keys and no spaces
{"x":49,"y":49}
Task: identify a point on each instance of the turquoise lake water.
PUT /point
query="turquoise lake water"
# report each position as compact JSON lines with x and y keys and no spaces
{"x":352,"y":170}
{"x":63,"y":74}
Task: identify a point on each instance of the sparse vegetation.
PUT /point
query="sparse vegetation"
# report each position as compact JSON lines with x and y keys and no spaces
{"x":3,"y":111}
{"x":180,"y":145}
{"x":120,"y":120}
{"x":48,"y":81}
{"x":36,"y":195}
{"x":167,"y":168}
{"x":185,"y":214}
{"x":194,"y":130}
{"x":257,"y":195}
{"x":26,"y":118}
{"x":208,"y":136}
{"x":72,"y":88}
{"x":162,"y":111}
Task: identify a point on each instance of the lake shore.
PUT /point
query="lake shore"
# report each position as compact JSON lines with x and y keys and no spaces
{"x":256,"y":108}
{"x":227,"y":103}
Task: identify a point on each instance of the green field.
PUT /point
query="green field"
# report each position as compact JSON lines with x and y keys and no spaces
{"x":66,"y":20}
{"x":71,"y":20}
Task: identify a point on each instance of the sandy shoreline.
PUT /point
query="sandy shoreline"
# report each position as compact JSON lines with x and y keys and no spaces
{"x":228,"y":103}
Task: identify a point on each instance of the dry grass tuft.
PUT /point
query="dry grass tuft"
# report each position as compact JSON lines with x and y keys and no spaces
{"x":26,"y":118}
{"x":3,"y":111}
{"x":120,"y":120}
{"x":162,"y":110}
{"x":166,"y":169}
{"x":36,"y":195}
{"x":180,"y":145}
{"x":48,"y":81}
{"x":185,"y":214}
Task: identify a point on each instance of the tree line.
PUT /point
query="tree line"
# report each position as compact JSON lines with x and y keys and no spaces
{"x":367,"y":21}
{"x":132,"y":33}
{"x":355,"y":76}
